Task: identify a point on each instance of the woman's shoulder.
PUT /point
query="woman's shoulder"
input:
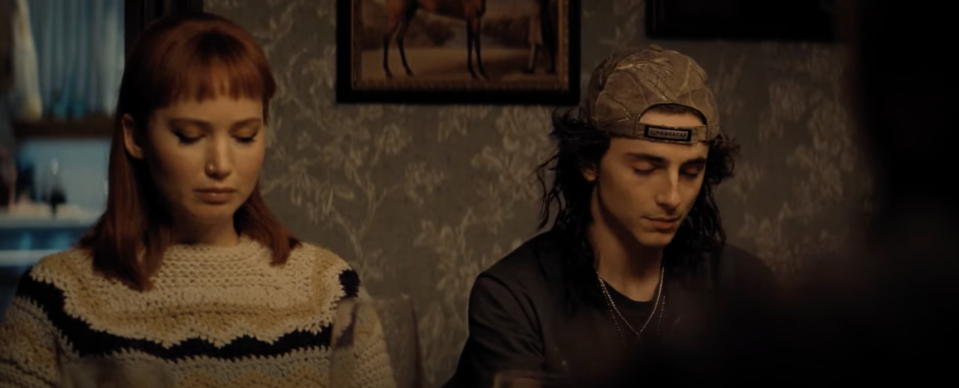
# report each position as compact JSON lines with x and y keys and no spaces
{"x":327,"y":268}
{"x":47,"y":281}
{"x":319,"y":257}
{"x":62,"y":267}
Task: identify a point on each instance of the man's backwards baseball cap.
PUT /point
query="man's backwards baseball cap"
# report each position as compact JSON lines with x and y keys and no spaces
{"x":631,"y":81}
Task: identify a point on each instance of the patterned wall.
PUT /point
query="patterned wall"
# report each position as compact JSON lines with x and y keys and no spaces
{"x":421,"y":199}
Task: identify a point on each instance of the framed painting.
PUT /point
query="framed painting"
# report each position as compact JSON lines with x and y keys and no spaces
{"x":524,"y":52}
{"x":781,"y":20}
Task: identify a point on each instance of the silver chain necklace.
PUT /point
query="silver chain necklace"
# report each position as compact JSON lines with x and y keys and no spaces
{"x":614,"y":311}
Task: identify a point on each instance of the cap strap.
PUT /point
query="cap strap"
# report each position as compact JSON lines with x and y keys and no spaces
{"x":662,"y":133}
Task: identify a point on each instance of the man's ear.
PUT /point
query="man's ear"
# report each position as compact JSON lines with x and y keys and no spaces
{"x":589,"y":172}
{"x":131,"y":140}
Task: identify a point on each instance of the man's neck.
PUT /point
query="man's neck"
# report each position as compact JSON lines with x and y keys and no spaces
{"x":630,"y":268}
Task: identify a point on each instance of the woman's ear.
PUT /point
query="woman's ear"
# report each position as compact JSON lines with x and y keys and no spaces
{"x":131,"y":139}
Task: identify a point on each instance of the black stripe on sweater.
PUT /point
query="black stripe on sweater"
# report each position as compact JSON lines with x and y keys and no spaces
{"x":88,"y":342}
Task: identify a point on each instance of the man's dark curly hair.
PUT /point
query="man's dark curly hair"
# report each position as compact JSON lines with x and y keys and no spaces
{"x":566,"y":200}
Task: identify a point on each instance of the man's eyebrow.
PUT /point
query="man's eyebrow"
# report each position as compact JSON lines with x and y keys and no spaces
{"x":646,"y":156}
{"x":661,"y":160}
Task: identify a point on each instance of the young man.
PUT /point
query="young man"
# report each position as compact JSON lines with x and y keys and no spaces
{"x":636,"y":254}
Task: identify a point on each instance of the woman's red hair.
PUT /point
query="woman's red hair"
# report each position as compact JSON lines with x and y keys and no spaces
{"x":201,"y":56}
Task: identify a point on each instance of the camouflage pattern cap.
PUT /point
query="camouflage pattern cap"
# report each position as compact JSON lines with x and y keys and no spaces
{"x":631,"y":81}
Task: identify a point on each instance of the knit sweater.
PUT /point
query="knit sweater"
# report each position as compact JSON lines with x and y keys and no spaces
{"x":215,"y":317}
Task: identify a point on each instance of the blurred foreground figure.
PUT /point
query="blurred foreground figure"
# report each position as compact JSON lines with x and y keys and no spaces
{"x":888,"y":311}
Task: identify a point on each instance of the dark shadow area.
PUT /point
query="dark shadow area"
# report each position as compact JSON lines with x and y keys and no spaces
{"x":888,"y":310}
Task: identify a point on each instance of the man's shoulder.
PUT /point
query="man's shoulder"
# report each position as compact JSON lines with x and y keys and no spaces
{"x":537,"y":259}
{"x":736,"y":258}
{"x":742,"y":269}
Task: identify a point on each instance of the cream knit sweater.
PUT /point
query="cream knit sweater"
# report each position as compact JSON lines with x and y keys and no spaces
{"x":216,"y":317}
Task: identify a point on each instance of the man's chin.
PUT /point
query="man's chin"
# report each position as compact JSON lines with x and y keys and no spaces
{"x":655,"y":240}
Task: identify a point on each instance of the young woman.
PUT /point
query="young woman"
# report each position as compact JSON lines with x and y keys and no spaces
{"x":187,"y":269}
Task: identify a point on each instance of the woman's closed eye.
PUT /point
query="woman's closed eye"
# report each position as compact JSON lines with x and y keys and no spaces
{"x":246,"y":139}
{"x":247,"y":136}
{"x":187,"y":138}
{"x":190,"y":137}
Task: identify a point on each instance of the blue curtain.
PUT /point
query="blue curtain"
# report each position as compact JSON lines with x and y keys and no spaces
{"x":80,"y":56}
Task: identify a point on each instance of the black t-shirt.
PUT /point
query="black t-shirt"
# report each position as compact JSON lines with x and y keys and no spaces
{"x":519,"y":315}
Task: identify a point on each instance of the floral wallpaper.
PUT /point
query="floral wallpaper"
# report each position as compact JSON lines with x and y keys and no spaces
{"x":420,"y":199}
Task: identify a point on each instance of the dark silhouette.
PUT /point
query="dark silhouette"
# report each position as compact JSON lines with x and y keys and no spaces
{"x":888,"y":310}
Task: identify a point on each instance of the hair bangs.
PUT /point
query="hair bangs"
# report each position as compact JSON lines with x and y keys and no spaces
{"x":212,"y":64}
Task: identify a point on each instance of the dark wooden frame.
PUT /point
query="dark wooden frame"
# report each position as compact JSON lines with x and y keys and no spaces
{"x":346,"y":93}
{"x":752,"y":20}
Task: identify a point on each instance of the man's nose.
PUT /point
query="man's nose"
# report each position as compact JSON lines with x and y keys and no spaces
{"x":668,"y":196}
